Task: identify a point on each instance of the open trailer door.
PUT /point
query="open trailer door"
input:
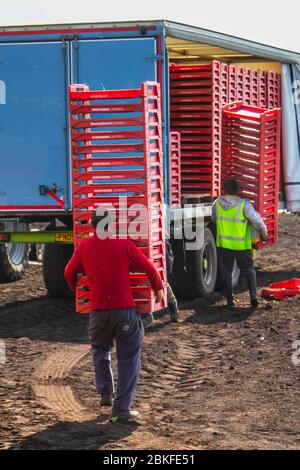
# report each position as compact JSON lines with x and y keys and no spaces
{"x":291,"y":134}
{"x":33,"y":126}
{"x":115,"y":63}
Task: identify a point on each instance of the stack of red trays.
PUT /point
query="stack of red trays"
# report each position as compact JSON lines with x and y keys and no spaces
{"x":197,"y":95}
{"x":117,"y":165}
{"x":175,"y":173}
{"x":251,"y":154}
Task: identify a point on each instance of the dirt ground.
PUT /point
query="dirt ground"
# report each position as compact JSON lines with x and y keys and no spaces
{"x":217,"y":380}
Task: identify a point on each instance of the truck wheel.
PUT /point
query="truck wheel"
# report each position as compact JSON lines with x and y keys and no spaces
{"x":55,"y":259}
{"x":196,"y":274}
{"x":13,"y":256}
{"x":36,"y":252}
{"x":13,"y":261}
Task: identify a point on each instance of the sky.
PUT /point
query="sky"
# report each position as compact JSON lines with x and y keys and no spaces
{"x":266,"y":21}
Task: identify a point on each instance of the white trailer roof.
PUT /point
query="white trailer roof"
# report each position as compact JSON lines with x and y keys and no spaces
{"x":184,"y":32}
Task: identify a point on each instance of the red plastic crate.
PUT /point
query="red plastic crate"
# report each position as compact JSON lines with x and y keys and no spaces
{"x":103,"y":169}
{"x":175,"y":169}
{"x":251,"y":154}
{"x":198,"y":93}
{"x":254,"y":87}
{"x":273,"y":90}
{"x":262,"y":89}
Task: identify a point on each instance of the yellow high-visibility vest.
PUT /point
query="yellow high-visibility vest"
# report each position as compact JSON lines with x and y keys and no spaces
{"x":233,"y":229}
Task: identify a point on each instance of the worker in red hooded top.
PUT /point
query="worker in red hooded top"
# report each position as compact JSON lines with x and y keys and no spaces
{"x":107,"y":262}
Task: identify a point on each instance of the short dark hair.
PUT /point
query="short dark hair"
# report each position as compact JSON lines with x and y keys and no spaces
{"x":231,"y":187}
{"x":98,"y":218}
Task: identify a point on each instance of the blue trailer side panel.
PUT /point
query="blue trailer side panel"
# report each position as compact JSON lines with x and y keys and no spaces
{"x":34,"y":140}
{"x":33,"y":124}
{"x":115,"y":63}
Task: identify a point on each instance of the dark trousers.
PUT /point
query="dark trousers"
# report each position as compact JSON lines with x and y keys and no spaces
{"x":126,"y":329}
{"x":244,"y":261}
{"x":171,"y":299}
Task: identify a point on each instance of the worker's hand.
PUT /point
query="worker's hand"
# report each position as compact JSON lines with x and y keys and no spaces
{"x":159,"y":295}
{"x":264,"y":237}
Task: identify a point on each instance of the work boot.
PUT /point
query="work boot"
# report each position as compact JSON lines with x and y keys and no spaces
{"x":107,"y":400}
{"x":230,"y":304}
{"x":147,"y":320}
{"x":125,"y":416}
{"x":174,"y":312}
{"x":254,"y":303}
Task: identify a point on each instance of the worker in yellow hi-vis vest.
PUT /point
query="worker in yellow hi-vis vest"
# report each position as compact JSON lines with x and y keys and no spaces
{"x":234,"y":218}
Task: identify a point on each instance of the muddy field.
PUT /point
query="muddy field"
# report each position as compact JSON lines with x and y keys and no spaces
{"x":217,"y":380}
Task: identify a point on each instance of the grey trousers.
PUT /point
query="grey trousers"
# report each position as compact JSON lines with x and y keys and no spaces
{"x":171,"y":299}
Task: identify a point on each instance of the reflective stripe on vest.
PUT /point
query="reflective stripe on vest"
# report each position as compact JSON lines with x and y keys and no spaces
{"x":233,"y":230}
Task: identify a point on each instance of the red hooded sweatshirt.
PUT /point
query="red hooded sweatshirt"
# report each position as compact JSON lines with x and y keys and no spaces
{"x":107,"y":264}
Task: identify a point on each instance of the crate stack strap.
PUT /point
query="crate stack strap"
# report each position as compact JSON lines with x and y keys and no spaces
{"x":198,"y":93}
{"x":251,"y":154}
{"x":175,"y":174}
{"x":117,"y":165}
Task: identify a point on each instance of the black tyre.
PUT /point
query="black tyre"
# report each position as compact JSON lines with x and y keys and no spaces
{"x":55,"y":259}
{"x":13,"y":261}
{"x":13,"y":256}
{"x":195,"y":272}
{"x":36,"y":252}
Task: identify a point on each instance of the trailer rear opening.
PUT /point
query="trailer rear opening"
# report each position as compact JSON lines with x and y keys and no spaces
{"x":203,"y":80}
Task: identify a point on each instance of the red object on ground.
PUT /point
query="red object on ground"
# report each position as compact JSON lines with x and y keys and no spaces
{"x":280,"y":290}
{"x":105,"y":174}
{"x":278,"y":294}
{"x":289,"y":284}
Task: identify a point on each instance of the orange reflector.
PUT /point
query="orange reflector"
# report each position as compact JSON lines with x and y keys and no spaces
{"x":4,"y":237}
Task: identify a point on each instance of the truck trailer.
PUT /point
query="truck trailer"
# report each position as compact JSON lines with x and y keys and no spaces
{"x":37,"y":66}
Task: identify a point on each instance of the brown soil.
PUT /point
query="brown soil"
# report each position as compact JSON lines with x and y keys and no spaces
{"x":217,"y":380}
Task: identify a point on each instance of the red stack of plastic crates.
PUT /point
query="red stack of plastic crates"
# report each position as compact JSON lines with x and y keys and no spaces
{"x":175,"y":175}
{"x":251,"y":153}
{"x":198,"y":93}
{"x":117,"y":165}
{"x":254,"y":87}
